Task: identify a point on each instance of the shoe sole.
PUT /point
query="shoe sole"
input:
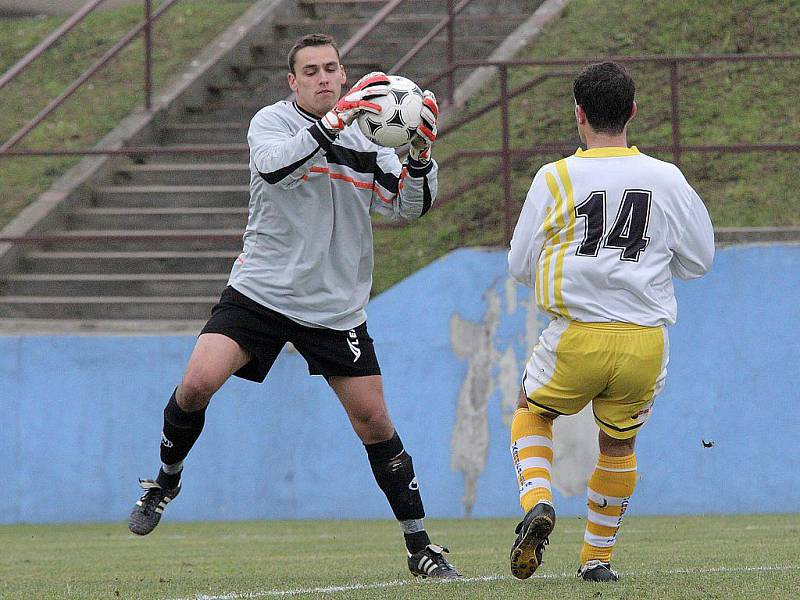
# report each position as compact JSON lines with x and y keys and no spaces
{"x":523,"y":554}
{"x":140,"y":527}
{"x":600,"y":579}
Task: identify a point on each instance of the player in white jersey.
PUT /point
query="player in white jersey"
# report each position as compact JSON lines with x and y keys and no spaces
{"x":600,"y":236}
{"x":304,"y":276}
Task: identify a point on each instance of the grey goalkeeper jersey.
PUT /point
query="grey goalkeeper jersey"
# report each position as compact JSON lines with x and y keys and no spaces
{"x":308,"y":243}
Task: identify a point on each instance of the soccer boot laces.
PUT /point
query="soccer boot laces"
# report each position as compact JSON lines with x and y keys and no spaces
{"x":532,"y":536}
{"x":148,"y":509}
{"x":430,"y":562}
{"x":597,"y":570}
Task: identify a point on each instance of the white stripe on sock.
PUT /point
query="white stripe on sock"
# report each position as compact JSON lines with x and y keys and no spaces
{"x":604,"y":500}
{"x":598,"y":541}
{"x":604,"y":520}
{"x":532,"y":440}
{"x":534,"y":462}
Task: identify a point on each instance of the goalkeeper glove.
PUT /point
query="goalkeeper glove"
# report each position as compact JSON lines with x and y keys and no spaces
{"x":425,"y":134}
{"x":357,"y":100}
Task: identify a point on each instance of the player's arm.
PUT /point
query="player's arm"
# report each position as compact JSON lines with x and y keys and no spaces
{"x":694,"y":252}
{"x":408,"y":190}
{"x":281,"y":158}
{"x":528,"y":238}
{"x":284,"y":159}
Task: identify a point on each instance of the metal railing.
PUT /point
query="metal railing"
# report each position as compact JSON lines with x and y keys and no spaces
{"x":508,"y":155}
{"x":144,"y":26}
{"x":454,"y":8}
{"x":505,"y":153}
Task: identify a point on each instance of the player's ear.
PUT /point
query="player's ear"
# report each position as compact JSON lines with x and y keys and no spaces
{"x":292,"y":81}
{"x":580,"y":115}
{"x":634,"y":109}
{"x":342,"y":75}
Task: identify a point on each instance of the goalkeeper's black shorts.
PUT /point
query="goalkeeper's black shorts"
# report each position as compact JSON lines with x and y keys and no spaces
{"x":262,"y":332}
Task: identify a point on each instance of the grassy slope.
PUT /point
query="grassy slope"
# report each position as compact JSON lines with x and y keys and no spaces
{"x":105,"y":99}
{"x":720,"y":104}
{"x":660,"y":558}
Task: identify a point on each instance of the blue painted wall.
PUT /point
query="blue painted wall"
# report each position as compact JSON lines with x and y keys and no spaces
{"x":81,"y":415}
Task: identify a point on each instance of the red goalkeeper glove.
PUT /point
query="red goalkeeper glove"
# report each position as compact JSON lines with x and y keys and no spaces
{"x":425,"y":134}
{"x":357,"y":100}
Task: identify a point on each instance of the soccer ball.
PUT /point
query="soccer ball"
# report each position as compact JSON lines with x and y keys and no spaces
{"x":400,"y":114}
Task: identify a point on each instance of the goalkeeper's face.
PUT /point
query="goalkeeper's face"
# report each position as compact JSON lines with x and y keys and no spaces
{"x":317,"y":79}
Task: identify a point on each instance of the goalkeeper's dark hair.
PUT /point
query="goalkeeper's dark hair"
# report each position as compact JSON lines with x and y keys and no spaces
{"x":605,"y":93}
{"x":312,"y":39}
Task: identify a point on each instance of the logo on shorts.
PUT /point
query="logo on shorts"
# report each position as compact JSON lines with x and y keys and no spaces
{"x":353,"y":343}
{"x":414,"y":485}
{"x":165,"y":442}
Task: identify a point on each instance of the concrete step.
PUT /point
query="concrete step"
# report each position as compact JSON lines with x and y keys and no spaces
{"x":221,"y":109}
{"x":177,"y":174}
{"x":56,"y":326}
{"x":152,"y":240}
{"x":119,"y":284}
{"x":231,"y":132}
{"x":158,"y":218}
{"x":236,"y":152}
{"x":172,"y":196}
{"x":106,"y":307}
{"x":116,"y":262}
{"x":414,"y":24}
{"x":269,"y":69}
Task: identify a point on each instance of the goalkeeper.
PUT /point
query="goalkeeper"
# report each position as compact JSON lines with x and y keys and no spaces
{"x":304,"y":276}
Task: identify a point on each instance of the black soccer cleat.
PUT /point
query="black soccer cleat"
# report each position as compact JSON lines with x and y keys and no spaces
{"x":147,"y":512}
{"x":596,"y":570}
{"x":430,"y":562}
{"x":532,"y":536}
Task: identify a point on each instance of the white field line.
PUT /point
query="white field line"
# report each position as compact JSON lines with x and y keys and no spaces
{"x":336,"y":589}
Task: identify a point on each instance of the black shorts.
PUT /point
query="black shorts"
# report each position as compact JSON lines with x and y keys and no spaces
{"x":263,"y":333}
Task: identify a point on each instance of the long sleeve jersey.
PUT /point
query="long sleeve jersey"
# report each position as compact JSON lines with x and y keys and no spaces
{"x":308,"y":242}
{"x":602,"y":233}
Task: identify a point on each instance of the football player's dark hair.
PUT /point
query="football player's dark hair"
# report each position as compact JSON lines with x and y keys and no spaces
{"x":394,"y":472}
{"x":312,"y":39}
{"x":605,"y":93}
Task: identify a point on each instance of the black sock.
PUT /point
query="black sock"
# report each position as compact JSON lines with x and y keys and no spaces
{"x":394,"y":472}
{"x":180,"y":432}
{"x":168,"y":480}
{"x":416,"y":541}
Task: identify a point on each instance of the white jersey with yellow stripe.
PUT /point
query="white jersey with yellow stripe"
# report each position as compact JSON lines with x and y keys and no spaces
{"x":308,"y":243}
{"x":602,"y":233}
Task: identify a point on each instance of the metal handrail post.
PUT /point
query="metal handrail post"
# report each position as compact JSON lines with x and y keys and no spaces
{"x":368,"y":27}
{"x":506,"y":155}
{"x":51,"y":39}
{"x":427,"y":38}
{"x":675,"y":115}
{"x":451,"y":14}
{"x":148,"y":55}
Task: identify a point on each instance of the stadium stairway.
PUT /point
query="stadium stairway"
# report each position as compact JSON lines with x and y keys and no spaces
{"x":155,"y":275}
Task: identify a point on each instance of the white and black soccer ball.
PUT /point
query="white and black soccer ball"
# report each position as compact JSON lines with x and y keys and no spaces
{"x":400,"y":114}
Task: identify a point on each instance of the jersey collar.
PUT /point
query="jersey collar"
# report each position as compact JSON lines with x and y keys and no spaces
{"x":304,"y":113}
{"x":608,"y":152}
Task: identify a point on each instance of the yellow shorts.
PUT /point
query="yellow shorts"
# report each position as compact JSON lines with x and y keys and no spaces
{"x":618,"y":367}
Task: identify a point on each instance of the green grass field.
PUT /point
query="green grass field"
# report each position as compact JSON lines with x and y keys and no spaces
{"x":726,"y":557}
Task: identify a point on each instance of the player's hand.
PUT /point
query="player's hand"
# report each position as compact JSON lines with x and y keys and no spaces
{"x":357,"y":100}
{"x":425,"y":134}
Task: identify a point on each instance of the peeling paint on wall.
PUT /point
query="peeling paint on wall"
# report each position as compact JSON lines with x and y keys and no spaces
{"x":496,"y":370}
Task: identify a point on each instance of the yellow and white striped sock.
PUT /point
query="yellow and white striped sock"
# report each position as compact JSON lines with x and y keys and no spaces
{"x":609,"y":491}
{"x":532,"y":452}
